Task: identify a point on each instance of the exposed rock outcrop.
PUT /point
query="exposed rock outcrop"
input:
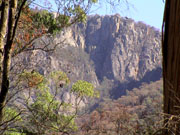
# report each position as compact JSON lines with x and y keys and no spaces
{"x":117,"y":48}
{"x":120,"y":48}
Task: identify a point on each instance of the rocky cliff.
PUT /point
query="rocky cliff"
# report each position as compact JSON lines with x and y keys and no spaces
{"x":122,"y":50}
{"x":111,"y":47}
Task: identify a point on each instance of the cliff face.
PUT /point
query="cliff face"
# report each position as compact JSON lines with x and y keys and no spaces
{"x":111,"y":47}
{"x":120,"y":48}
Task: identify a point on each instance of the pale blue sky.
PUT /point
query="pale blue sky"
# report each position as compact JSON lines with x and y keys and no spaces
{"x":147,"y":11}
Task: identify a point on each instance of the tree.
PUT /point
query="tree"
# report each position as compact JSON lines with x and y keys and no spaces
{"x":17,"y":16}
{"x":138,"y":112}
{"x":38,"y":110}
{"x":20,"y":26}
{"x":171,"y":63}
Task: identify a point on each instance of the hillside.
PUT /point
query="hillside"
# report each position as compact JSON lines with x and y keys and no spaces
{"x":111,"y":52}
{"x":137,"y":113}
{"x":120,"y":57}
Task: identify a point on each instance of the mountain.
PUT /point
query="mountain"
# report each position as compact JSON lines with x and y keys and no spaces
{"x":122,"y":50}
{"x":113,"y":48}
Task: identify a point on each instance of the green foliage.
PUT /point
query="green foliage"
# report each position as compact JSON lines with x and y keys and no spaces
{"x":11,"y":115}
{"x":83,"y":88}
{"x":58,"y":76}
{"x":78,"y":11}
{"x":44,"y":112}
{"x":69,"y":13}
{"x":13,"y":133}
{"x":94,"y":1}
{"x":46,"y":19}
{"x":31,"y":79}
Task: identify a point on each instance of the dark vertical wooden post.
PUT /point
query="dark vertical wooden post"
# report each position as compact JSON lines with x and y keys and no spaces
{"x":171,"y":58}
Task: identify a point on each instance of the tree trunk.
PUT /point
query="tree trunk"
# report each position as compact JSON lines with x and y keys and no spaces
{"x":7,"y":55}
{"x":3,"y":29}
{"x":171,"y":59}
